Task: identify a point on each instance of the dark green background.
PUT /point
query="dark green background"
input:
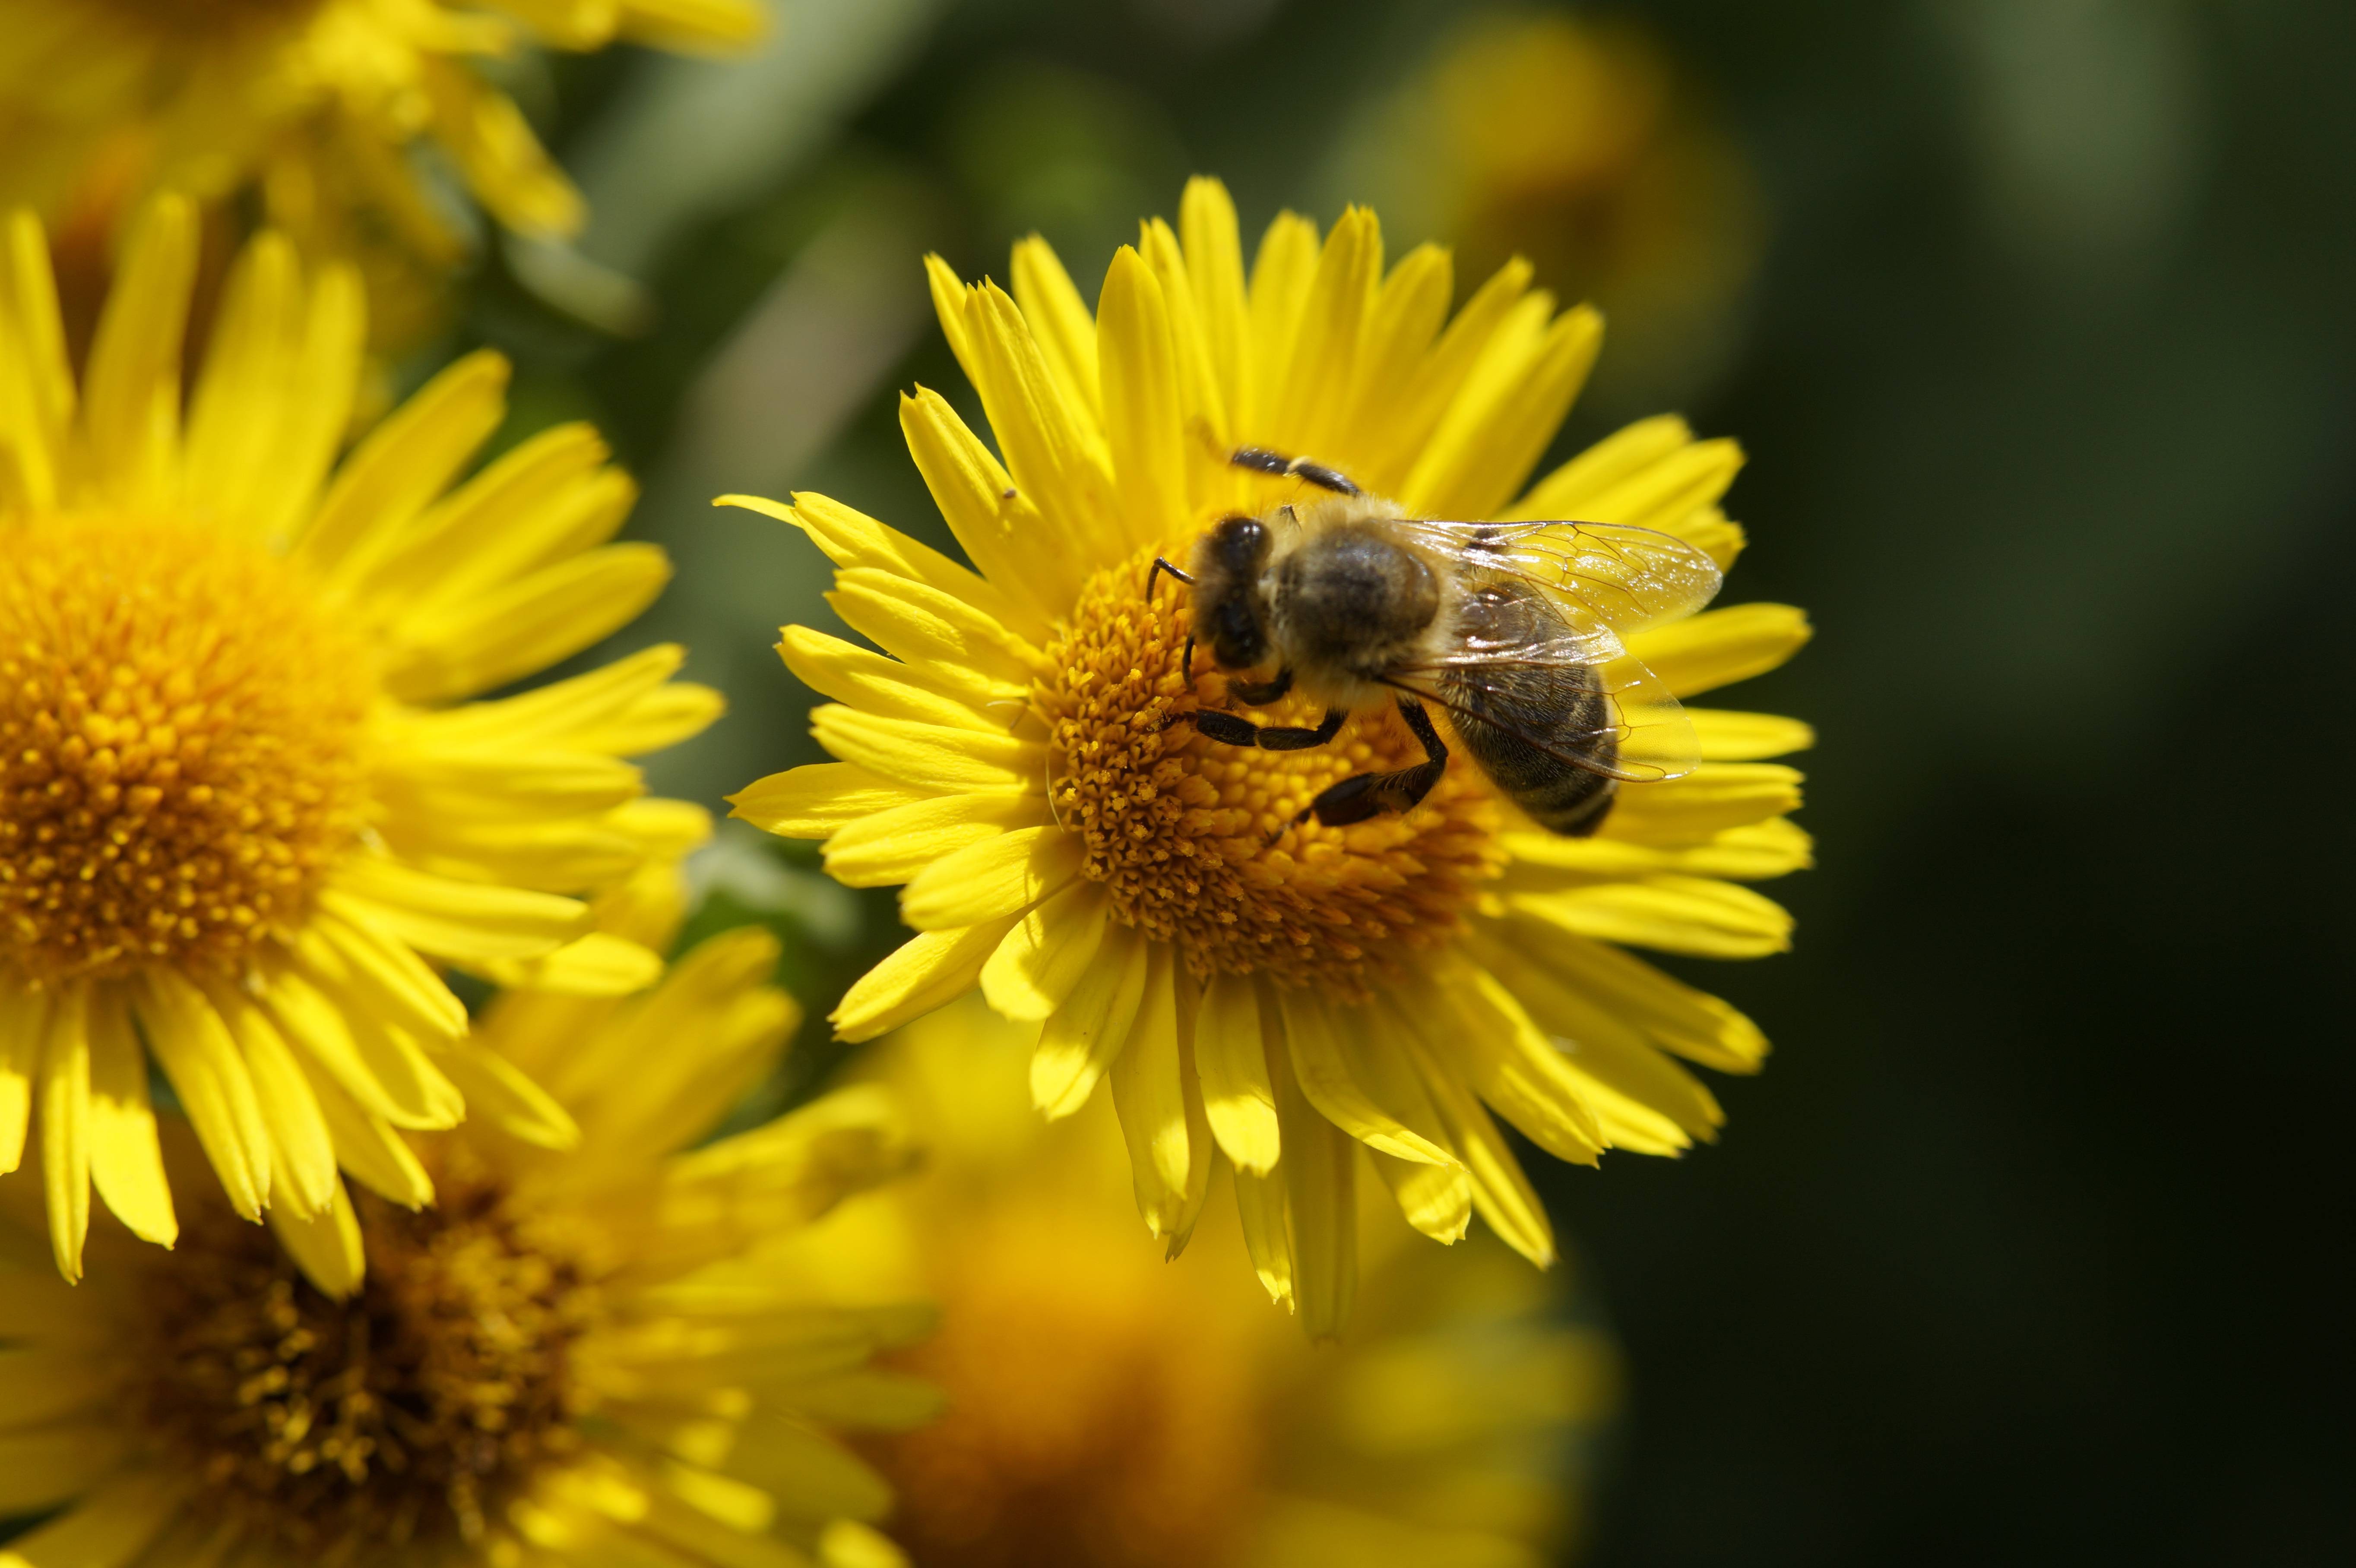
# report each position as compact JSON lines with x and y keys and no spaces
{"x":2022,"y":1250}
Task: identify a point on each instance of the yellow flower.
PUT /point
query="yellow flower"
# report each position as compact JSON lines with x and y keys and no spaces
{"x":1454,"y":1427}
{"x":1274,"y":996}
{"x":589,"y":1357}
{"x":319,"y":105}
{"x":1580,"y":146}
{"x":241,"y":801}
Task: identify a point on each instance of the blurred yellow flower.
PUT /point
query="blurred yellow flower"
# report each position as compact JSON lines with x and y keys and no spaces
{"x":1580,"y":146}
{"x":590,"y":1357}
{"x":1455,"y":1427}
{"x":243,"y":800}
{"x":320,"y":107}
{"x":1274,"y":997}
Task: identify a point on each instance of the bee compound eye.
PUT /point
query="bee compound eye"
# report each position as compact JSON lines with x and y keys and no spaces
{"x":1240,"y":542}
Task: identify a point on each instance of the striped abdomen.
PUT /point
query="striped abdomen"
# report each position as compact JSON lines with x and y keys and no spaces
{"x":1500,"y":707}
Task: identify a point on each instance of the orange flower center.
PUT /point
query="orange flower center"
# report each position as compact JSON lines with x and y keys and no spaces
{"x":1195,"y":841}
{"x":181,"y":732}
{"x":1076,"y":1434}
{"x":346,"y":1431}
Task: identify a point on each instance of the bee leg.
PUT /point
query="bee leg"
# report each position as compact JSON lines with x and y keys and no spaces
{"x":1264,"y":692}
{"x":1234,"y":730}
{"x":1362,"y":795}
{"x":1261,"y":460}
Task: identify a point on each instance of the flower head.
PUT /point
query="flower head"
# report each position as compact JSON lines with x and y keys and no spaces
{"x":1260,"y":989}
{"x":245,"y":808}
{"x":589,"y":1356}
{"x":315,"y":105}
{"x":1454,"y":1427}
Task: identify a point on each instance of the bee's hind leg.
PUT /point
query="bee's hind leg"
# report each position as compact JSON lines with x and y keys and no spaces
{"x":1362,"y":795}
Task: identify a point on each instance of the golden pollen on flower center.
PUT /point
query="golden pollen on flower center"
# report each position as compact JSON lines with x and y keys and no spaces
{"x":343,"y":1432}
{"x":181,"y":735}
{"x":1192,"y":839}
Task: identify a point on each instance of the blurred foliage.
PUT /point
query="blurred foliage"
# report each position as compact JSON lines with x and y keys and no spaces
{"x":2047,"y":370}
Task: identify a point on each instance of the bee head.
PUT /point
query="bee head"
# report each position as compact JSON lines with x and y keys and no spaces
{"x":1229,"y":614}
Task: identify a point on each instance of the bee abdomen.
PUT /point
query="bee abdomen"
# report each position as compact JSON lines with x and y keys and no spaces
{"x":1521,"y":720}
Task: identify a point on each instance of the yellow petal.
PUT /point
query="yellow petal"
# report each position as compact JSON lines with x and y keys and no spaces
{"x":1237,"y":1093}
{"x":932,"y":968}
{"x":324,"y":1244}
{"x":1726,"y":736}
{"x":498,"y":1094}
{"x":302,"y":1153}
{"x":133,"y":383}
{"x":1322,"y":1066}
{"x":1717,"y":648}
{"x":36,"y":388}
{"x":24,"y":1024}
{"x":1001,"y":875}
{"x":1704,"y":804}
{"x":935,"y":759}
{"x":1052,"y":446}
{"x":1435,"y":1199}
{"x":1501,"y":1194}
{"x":851,"y":539}
{"x":1282,"y":271}
{"x":816,"y":800}
{"x":1627,"y":452}
{"x":209,"y":1073}
{"x":1508,"y":1060}
{"x":1747,"y":853}
{"x":126,"y":1163}
{"x":366,"y":1146}
{"x":921,"y":625}
{"x":1036,"y":969}
{"x":464,"y":921}
{"x":1261,"y":1207}
{"x":1000,"y":530}
{"x":1319,"y":1175}
{"x":598,"y":965}
{"x":359,"y":959}
{"x":1676,"y":914}
{"x":1149,"y":1099}
{"x":403,"y":463}
{"x":1079,"y":1042}
{"x":1509,"y":410}
{"x":64,"y":1110}
{"x":1641,"y":1099}
{"x":1142,"y":417}
{"x":933,"y":693}
{"x":1401,"y":332}
{"x":1676,"y":1017}
{"x":1215,"y":267}
{"x":444,"y":652}
{"x":1206,"y":437}
{"x":1059,"y":320}
{"x":378,"y":1063}
{"x":1323,"y":362}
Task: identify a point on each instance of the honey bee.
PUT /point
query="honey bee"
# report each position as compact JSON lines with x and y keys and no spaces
{"x":1513,"y":629}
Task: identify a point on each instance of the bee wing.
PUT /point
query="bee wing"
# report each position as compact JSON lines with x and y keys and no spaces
{"x":1622,"y":577}
{"x":1644,"y":736}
